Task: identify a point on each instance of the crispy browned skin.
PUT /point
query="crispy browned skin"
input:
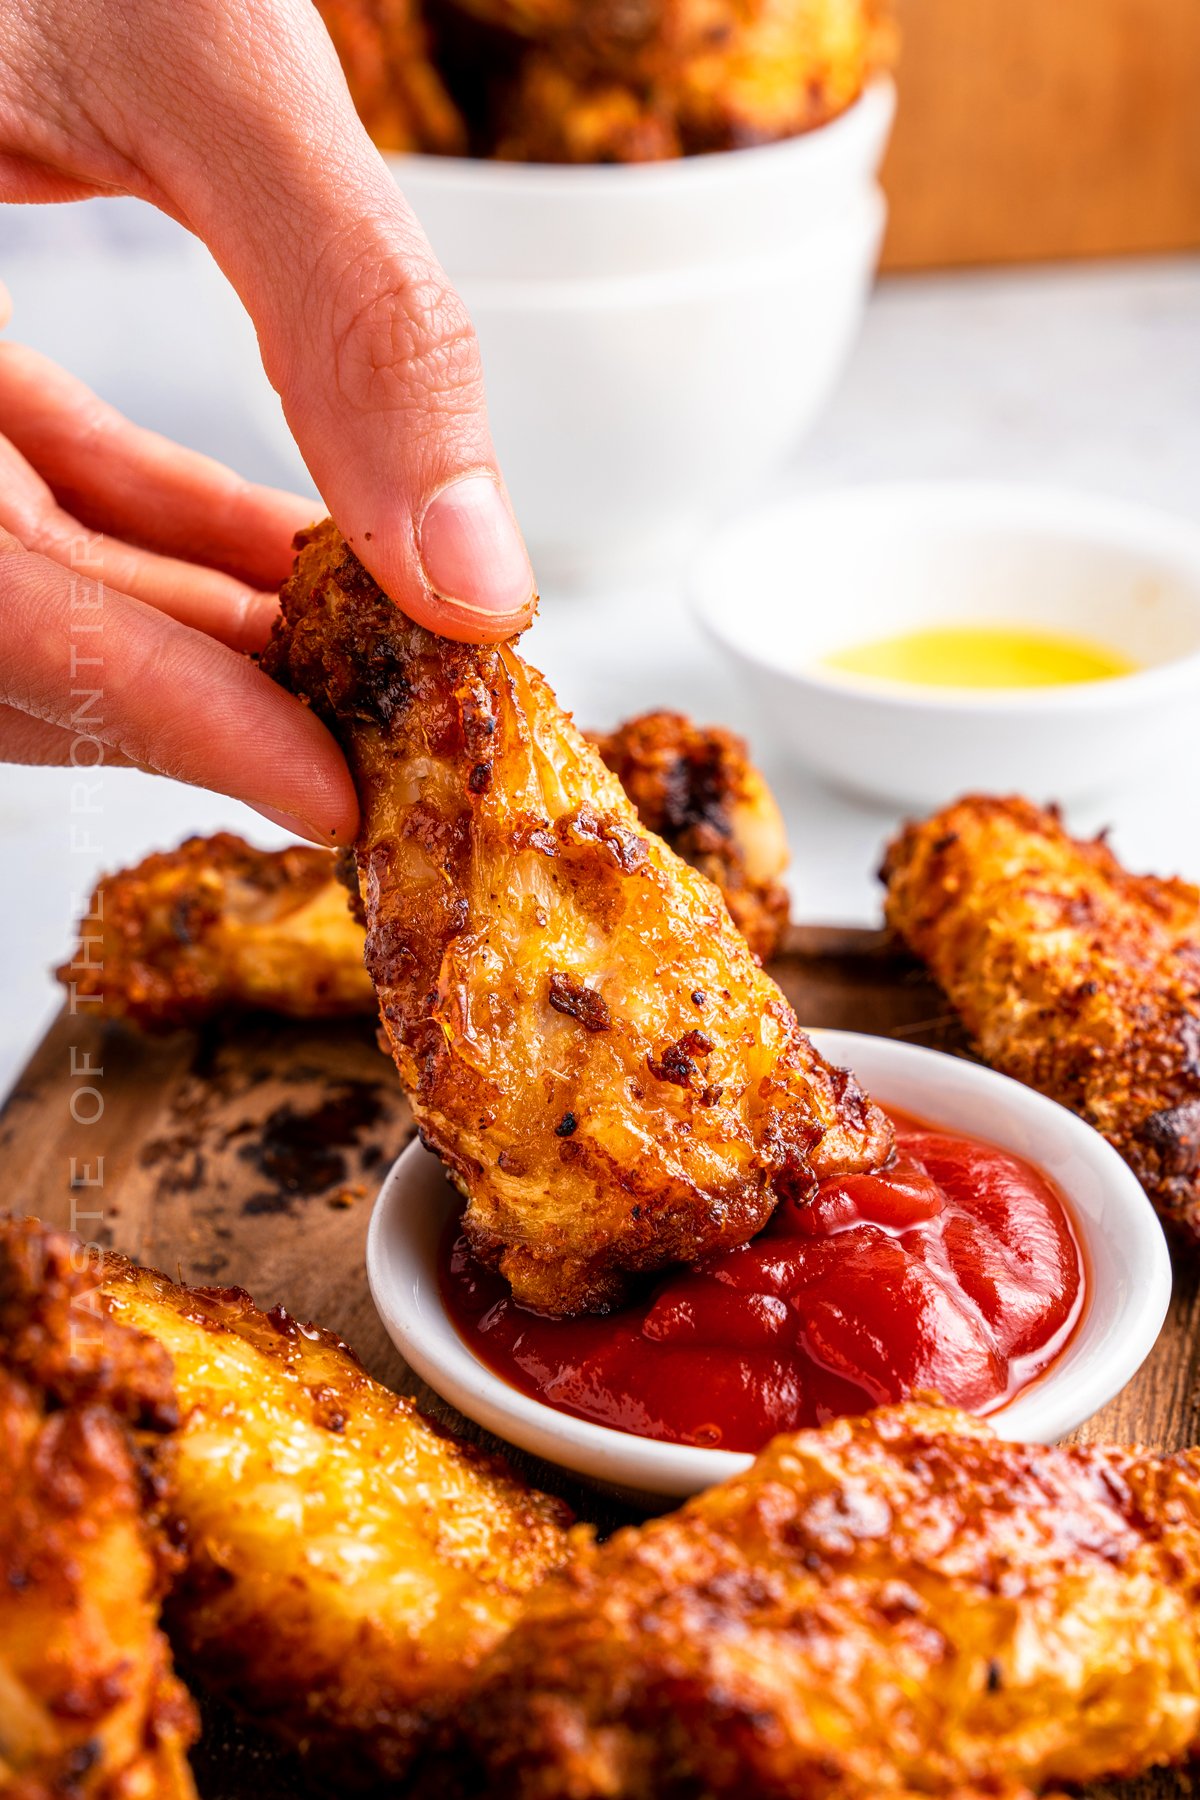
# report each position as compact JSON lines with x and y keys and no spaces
{"x":89,"y":1706}
{"x":217,"y":925}
{"x":586,"y":1039}
{"x":607,"y":82}
{"x":400,"y":97}
{"x":896,"y":1605}
{"x":347,"y":1564}
{"x":696,"y":787}
{"x":1069,"y":973}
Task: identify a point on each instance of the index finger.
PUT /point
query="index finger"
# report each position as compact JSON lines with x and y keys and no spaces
{"x":119,"y":478}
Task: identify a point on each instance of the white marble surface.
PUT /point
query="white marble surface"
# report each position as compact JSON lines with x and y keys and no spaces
{"x":1088,"y":376}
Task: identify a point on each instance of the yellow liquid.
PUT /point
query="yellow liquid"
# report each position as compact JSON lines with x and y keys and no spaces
{"x":981,"y":656}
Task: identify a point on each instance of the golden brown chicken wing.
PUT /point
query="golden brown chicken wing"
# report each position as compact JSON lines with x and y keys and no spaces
{"x":383,"y":47}
{"x":892,"y":1606}
{"x":217,"y":925}
{"x":89,"y":1706}
{"x":696,"y":788}
{"x":347,"y":1564}
{"x":586,"y":1040}
{"x":1069,"y":973}
{"x":609,"y":82}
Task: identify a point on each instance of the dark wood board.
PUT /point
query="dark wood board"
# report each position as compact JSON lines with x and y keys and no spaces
{"x":249,"y":1153}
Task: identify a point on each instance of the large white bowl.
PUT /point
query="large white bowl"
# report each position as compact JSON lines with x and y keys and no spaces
{"x":536,"y":221}
{"x":789,"y":583}
{"x":1128,"y":1274}
{"x":656,"y":339}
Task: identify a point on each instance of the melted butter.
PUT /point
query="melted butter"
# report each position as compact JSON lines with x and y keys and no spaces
{"x":981,"y":656}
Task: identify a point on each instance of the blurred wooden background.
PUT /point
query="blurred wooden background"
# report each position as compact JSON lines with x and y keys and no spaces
{"x":1032,"y":129}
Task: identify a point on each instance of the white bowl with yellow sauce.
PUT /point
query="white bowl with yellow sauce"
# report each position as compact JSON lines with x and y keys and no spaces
{"x":913,"y":641}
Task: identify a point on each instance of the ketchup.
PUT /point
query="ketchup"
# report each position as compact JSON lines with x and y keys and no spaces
{"x":954,"y":1271}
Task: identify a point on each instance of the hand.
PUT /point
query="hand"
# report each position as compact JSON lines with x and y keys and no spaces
{"x":236,"y":121}
{"x":134,"y":577}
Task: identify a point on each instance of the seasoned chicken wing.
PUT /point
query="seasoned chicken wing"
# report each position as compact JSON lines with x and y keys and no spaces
{"x":612,"y":83}
{"x":217,"y":925}
{"x":891,"y":1606}
{"x":1069,"y":973}
{"x":696,"y":787}
{"x":586,"y":1040}
{"x":89,"y":1706}
{"x":347,"y":1564}
{"x":383,"y":47}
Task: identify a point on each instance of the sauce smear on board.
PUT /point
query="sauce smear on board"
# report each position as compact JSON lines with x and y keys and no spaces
{"x":955,"y":1270}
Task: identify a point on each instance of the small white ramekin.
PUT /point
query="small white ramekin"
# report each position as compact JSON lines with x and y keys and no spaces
{"x":1127,"y":1266}
{"x":788,"y":584}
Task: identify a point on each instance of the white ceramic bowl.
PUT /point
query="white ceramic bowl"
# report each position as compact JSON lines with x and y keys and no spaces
{"x":1129,"y":1275}
{"x":656,"y":339}
{"x":790,"y":583}
{"x":543,"y":222}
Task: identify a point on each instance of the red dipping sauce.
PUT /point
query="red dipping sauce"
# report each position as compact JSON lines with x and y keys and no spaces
{"x":955,"y":1270}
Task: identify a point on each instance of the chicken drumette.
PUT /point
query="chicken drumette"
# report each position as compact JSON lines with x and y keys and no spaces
{"x":1069,"y":973}
{"x":890,"y":1607}
{"x":587,"y":1040}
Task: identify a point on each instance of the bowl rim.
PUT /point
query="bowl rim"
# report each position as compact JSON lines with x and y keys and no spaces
{"x":950,"y":503}
{"x":872,"y":109}
{"x":1083,"y":1378}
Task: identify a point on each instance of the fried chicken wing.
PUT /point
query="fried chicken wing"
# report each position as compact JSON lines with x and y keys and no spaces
{"x":896,"y":1605}
{"x":587,"y":1041}
{"x":89,"y":1706}
{"x":347,"y":1564}
{"x":1069,"y":973}
{"x":613,"y":83}
{"x":696,"y":787}
{"x":217,"y":925}
{"x":383,"y":47}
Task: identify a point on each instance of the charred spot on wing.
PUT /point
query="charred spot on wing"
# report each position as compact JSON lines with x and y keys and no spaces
{"x":677,"y":1063}
{"x":578,"y":1001}
{"x":1173,"y":1136}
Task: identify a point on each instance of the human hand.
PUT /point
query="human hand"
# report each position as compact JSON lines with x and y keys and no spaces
{"x":134,"y":577}
{"x":236,"y":121}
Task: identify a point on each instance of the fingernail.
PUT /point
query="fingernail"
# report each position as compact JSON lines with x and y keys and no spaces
{"x":472,"y":553}
{"x":298,"y":827}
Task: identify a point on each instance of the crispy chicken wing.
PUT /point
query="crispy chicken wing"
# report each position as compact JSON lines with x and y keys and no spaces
{"x":1070,"y":974}
{"x":586,"y":1040}
{"x":383,"y":47}
{"x":696,"y":787}
{"x":612,"y":83}
{"x":89,"y":1706}
{"x":896,"y":1605}
{"x":217,"y":925}
{"x":347,"y":1564}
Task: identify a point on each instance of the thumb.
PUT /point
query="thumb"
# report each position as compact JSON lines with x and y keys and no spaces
{"x":368,"y":345}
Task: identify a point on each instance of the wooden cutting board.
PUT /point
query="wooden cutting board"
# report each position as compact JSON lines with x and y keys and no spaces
{"x":248,"y":1154}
